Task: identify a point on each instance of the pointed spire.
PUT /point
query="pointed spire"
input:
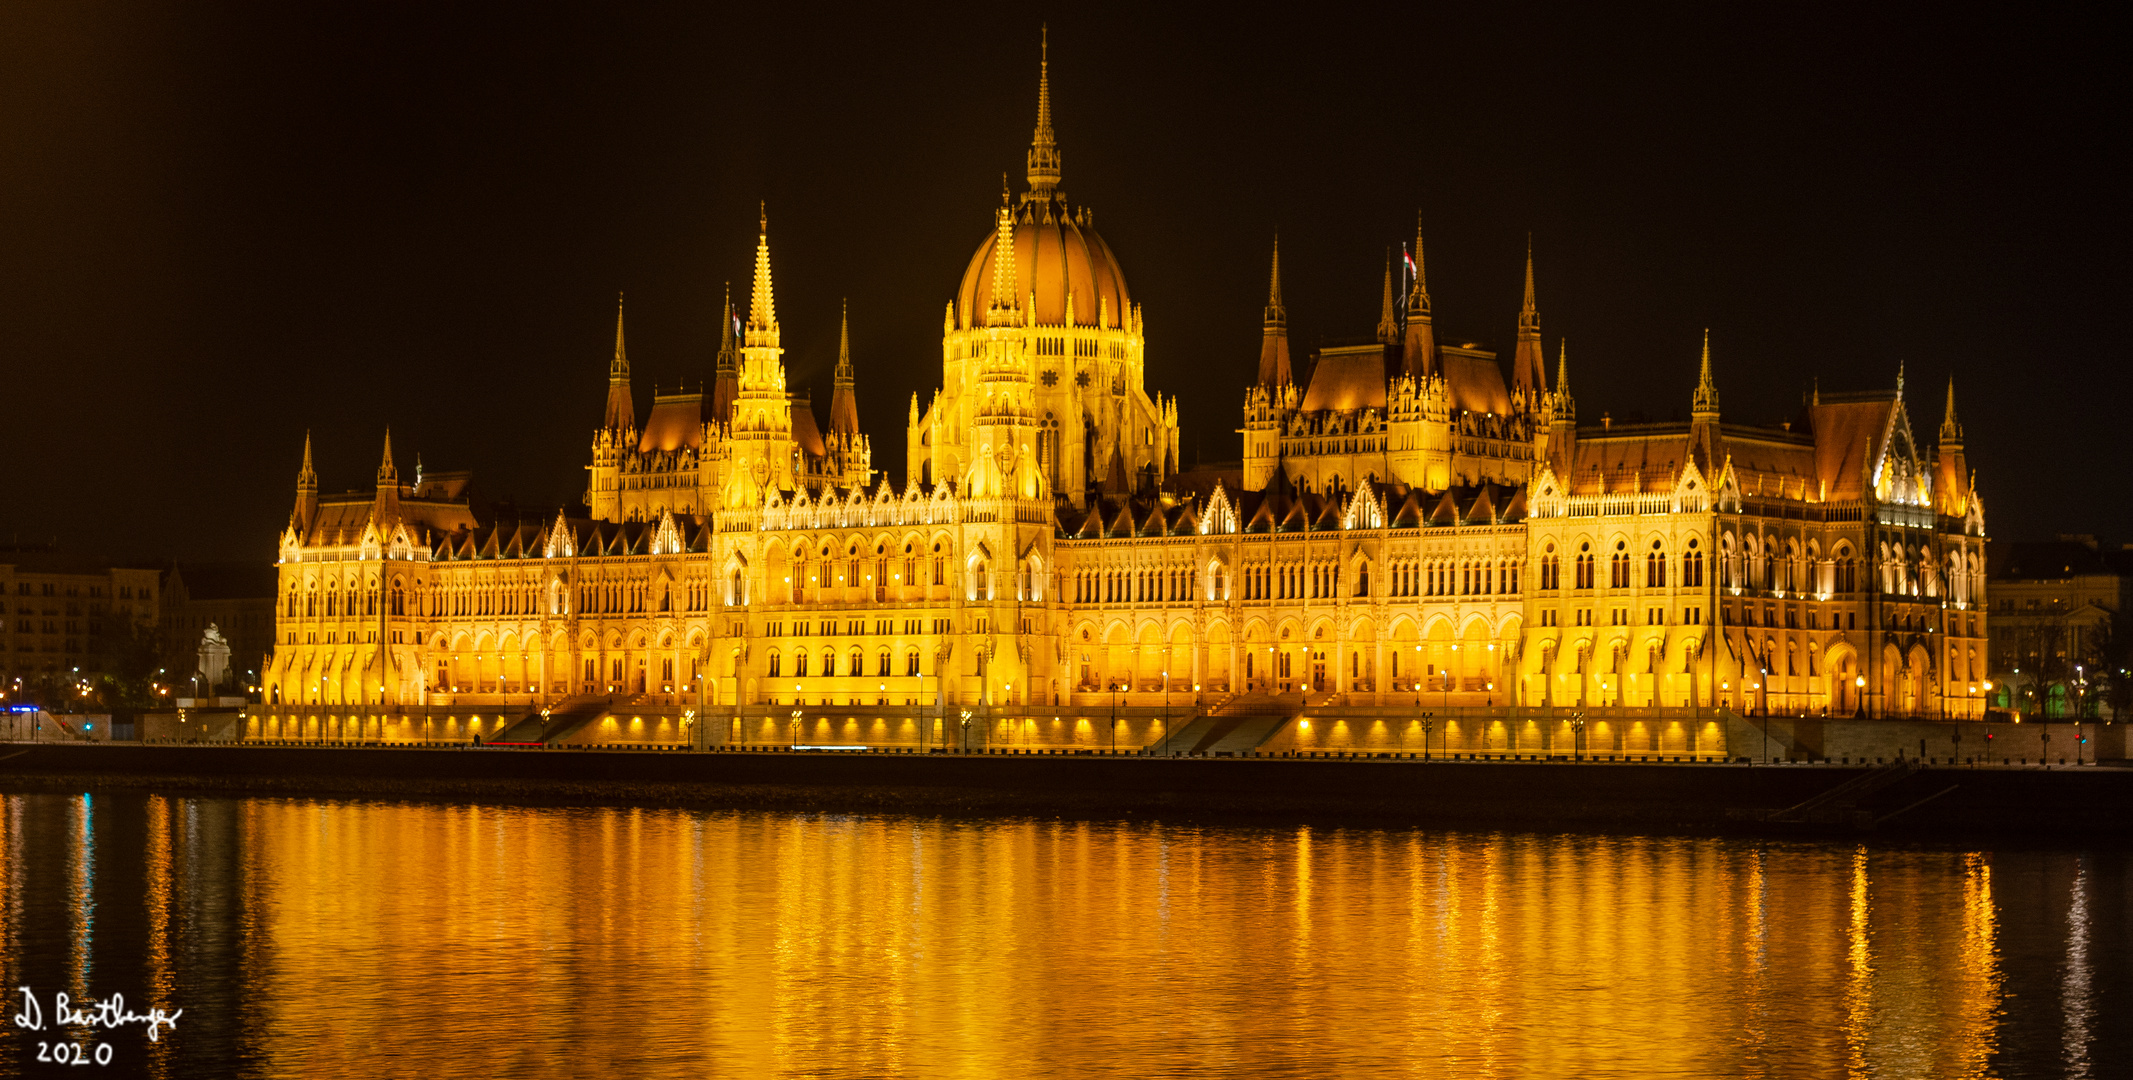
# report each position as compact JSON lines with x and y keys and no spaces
{"x":844,"y":405}
{"x":1951,"y":430}
{"x":305,"y":475}
{"x":844,"y":339}
{"x":1562,"y":369}
{"x":1274,"y":308}
{"x":1388,"y":325}
{"x":1419,"y":357}
{"x":1529,"y":369}
{"x":1529,"y":312}
{"x":762,"y":306}
{"x":621,"y":413}
{"x":306,"y":492}
{"x":1005,"y":285}
{"x":386,"y":471}
{"x":1706,"y":398}
{"x":1043,"y":147}
{"x":1418,"y":295}
{"x":725,"y":327}
{"x":1274,"y":335}
{"x":726,"y":385}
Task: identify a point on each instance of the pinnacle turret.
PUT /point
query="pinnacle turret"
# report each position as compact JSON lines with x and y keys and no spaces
{"x":844,"y":406}
{"x":1951,"y":429}
{"x":1274,"y":335}
{"x":621,"y":412}
{"x":1419,"y":355}
{"x":1706,"y":397}
{"x":762,"y":329}
{"x":1529,"y":372}
{"x":1388,"y":323}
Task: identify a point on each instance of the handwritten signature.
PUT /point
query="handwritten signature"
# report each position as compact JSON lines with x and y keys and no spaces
{"x":110,"y":1013}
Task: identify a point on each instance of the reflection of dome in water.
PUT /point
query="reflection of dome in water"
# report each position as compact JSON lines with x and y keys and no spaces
{"x":1057,"y":251}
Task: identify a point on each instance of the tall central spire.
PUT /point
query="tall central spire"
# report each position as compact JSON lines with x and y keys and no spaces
{"x":762,"y":328}
{"x":1043,"y":148}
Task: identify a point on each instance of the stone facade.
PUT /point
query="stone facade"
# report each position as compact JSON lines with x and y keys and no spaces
{"x":1408,"y":524}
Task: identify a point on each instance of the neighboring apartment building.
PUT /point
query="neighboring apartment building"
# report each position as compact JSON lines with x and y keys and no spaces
{"x":65,"y":620}
{"x":2059,"y":641}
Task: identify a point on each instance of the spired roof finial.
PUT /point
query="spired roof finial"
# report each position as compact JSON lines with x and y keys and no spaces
{"x":1388,"y":323}
{"x":1951,"y":429}
{"x":1706,"y":398}
{"x":1043,"y":146}
{"x":619,"y":368}
{"x":306,"y":473}
{"x":1418,"y":297}
{"x":1275,"y":311}
{"x":762,"y":304}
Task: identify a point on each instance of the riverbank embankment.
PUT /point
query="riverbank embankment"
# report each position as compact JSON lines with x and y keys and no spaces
{"x":2083,"y":800}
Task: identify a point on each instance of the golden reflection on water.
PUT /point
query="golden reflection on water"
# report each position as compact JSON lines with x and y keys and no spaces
{"x":410,"y":939}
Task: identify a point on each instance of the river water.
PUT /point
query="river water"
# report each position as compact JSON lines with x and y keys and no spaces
{"x":350,"y":938}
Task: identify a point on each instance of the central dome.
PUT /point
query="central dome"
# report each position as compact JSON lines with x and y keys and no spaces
{"x":1057,"y":254}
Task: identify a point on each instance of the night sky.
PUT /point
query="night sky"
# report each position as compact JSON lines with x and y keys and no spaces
{"x":221,"y":226}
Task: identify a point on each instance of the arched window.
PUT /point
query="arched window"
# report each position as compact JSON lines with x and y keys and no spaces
{"x":1584,"y":566}
{"x":881,"y":664}
{"x":858,"y":665}
{"x":1618,"y":566}
{"x":911,"y":662}
{"x":775,"y":662}
{"x":1692,"y":567}
{"x":829,"y":664}
{"x":1655,"y":567}
{"x":799,"y":665}
{"x":399,"y":597}
{"x":1551,"y":570}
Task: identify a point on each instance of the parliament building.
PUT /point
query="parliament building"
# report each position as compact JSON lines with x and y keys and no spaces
{"x":1413,"y":523}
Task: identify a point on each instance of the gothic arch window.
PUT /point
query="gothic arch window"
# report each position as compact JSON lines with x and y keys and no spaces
{"x":776,"y":664}
{"x":1655,"y":566}
{"x":1618,"y":566}
{"x":1584,"y":566}
{"x":1692,"y":567}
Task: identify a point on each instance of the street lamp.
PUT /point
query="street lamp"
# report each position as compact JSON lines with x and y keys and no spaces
{"x":1428,"y":722}
{"x":1577,"y":736}
{"x":793,"y":733}
{"x":966,"y":731}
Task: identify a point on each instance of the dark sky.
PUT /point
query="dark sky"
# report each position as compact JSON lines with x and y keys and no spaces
{"x":220,"y":226}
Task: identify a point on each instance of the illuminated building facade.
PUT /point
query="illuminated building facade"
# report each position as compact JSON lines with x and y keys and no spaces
{"x":1408,"y":523}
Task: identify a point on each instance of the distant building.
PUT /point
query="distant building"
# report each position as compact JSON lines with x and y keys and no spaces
{"x":236,"y":598}
{"x":2059,"y":633}
{"x":65,"y":617}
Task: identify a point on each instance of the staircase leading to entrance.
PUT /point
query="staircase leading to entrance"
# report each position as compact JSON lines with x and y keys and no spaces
{"x":560,"y":719}
{"x":1240,"y":723}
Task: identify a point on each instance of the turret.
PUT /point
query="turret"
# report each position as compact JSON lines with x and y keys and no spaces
{"x":1703,"y":415}
{"x":306,"y":493}
{"x":727,"y":377}
{"x":1562,"y":418}
{"x":1951,"y":475}
{"x":621,"y":412}
{"x":387,"y":509}
{"x":1418,"y":354}
{"x":1274,"y":332}
{"x":1529,"y":374}
{"x":1388,"y":323}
